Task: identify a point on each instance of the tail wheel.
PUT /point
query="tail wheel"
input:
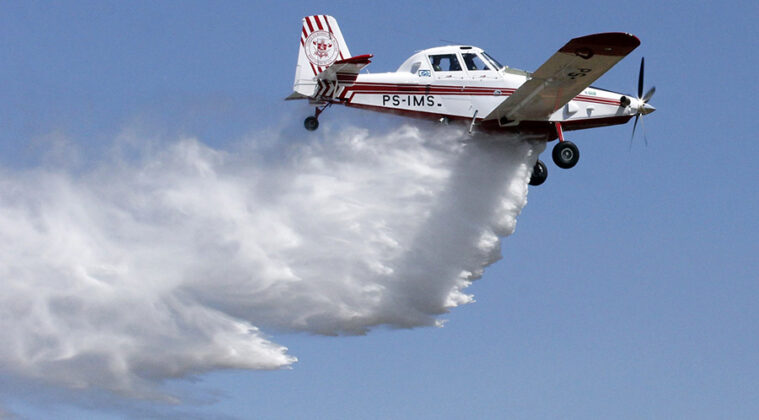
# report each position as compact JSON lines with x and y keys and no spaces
{"x":539,"y":173}
{"x":566,"y":154}
{"x":311,"y":123}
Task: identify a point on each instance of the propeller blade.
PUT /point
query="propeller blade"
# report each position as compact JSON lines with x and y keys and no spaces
{"x":649,"y":94}
{"x":633,"y":135}
{"x":640,"y":78}
{"x":642,"y":107}
{"x":643,"y":127}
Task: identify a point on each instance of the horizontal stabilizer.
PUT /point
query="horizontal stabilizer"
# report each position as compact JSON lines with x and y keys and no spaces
{"x":296,"y":95}
{"x":345,"y":71}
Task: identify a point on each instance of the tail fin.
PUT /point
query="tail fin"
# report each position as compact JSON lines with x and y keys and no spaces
{"x":321,"y":44}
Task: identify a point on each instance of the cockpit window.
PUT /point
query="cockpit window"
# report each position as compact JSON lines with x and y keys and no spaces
{"x":474,"y":62}
{"x":492,"y":61}
{"x":445,"y":62}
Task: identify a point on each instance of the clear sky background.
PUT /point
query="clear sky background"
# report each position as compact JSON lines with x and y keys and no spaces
{"x":630,"y":289}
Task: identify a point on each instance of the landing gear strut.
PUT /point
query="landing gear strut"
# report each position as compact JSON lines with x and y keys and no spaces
{"x":312,"y":123}
{"x":565,"y":153}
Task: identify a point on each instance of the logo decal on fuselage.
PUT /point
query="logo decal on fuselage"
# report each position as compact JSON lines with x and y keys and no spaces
{"x":321,"y":48}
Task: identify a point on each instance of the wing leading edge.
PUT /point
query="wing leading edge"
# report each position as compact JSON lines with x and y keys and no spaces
{"x":565,"y":75}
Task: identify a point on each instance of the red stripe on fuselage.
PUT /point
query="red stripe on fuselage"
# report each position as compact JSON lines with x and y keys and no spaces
{"x":581,"y":124}
{"x":389,"y":88}
{"x":386,"y":88}
{"x":604,"y":101}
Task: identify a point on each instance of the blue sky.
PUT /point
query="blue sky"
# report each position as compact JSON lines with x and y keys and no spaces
{"x":628,"y":290}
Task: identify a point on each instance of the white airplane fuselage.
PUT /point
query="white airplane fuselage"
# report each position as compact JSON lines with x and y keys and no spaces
{"x":458,"y":95}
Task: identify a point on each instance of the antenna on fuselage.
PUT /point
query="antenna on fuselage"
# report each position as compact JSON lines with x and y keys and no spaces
{"x":449,"y":42}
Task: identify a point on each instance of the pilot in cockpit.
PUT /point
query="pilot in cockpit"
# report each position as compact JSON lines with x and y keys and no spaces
{"x":455,"y":64}
{"x":469,"y":61}
{"x":436,"y":62}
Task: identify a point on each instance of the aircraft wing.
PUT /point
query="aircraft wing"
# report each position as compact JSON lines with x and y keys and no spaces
{"x":565,"y":75}
{"x":345,"y":71}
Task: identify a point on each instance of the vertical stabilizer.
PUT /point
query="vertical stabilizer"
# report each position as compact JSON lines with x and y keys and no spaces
{"x":321,"y":44}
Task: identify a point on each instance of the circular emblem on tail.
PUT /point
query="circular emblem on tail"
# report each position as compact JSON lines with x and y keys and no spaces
{"x":321,"y":48}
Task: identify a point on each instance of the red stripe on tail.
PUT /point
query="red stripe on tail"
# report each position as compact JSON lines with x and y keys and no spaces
{"x":329,"y":27}
{"x":310,"y":26}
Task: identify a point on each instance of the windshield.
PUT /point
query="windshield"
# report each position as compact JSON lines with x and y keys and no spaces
{"x":473,"y":62}
{"x":492,"y":60}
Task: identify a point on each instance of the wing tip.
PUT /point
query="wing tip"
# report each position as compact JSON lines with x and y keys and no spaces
{"x":607,"y":43}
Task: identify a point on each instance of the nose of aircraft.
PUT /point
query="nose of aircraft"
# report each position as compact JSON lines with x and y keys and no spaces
{"x":646,"y":109}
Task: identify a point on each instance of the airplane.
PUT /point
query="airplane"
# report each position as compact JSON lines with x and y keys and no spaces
{"x":463,"y":83}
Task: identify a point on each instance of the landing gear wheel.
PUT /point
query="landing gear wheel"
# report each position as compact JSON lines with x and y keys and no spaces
{"x":539,"y":173}
{"x":566,"y":154}
{"x":311,"y":123}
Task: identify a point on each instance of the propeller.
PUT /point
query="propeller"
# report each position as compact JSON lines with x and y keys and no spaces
{"x":643,"y":108}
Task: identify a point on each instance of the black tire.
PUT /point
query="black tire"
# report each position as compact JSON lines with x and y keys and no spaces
{"x":565,"y":154}
{"x":539,"y":173}
{"x":311,"y":123}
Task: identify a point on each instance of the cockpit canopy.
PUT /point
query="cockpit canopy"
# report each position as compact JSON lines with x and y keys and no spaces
{"x":450,"y":58}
